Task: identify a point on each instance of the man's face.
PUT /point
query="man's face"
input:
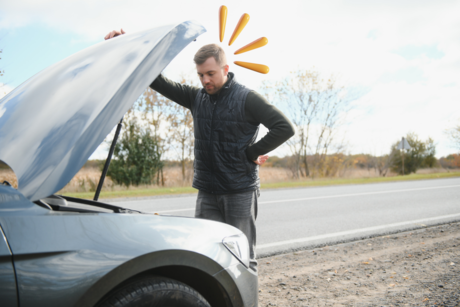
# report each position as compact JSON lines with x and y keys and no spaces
{"x":212,"y":76}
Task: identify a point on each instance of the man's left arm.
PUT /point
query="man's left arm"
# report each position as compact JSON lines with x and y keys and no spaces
{"x":259,"y":111}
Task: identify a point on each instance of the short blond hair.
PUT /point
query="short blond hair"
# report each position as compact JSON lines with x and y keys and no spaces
{"x":211,"y":50}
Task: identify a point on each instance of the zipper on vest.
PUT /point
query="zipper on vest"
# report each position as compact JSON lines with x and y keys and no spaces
{"x":212,"y":144}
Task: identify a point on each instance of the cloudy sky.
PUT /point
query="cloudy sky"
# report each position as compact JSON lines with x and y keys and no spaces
{"x":405,"y":54}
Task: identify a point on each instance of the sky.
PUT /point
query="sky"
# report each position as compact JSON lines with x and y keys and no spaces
{"x":404,"y":54}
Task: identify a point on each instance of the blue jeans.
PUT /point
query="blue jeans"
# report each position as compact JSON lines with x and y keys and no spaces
{"x":238,"y":210}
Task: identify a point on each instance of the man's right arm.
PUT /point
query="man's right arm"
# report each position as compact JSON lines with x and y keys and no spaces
{"x":177,"y":92}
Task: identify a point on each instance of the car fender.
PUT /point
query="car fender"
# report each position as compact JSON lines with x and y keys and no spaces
{"x":159,"y":263}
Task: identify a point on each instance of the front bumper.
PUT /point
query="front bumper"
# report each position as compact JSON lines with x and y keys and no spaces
{"x":241,"y":285}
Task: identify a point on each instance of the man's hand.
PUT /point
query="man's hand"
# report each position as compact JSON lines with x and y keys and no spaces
{"x":114,"y":33}
{"x":261,"y":160}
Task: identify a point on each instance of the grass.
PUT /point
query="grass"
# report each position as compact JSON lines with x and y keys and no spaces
{"x":273,"y":185}
{"x":133,"y":193}
{"x":342,"y":181}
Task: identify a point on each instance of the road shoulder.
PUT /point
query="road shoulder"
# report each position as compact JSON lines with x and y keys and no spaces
{"x":419,"y":267}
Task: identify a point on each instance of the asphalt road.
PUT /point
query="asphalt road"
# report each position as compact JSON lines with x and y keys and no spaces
{"x":305,"y":217}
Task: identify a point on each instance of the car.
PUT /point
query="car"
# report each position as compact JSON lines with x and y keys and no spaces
{"x":62,"y":251}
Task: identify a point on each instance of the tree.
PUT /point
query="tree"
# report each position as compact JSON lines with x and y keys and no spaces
{"x":182,"y":134}
{"x":383,"y":163}
{"x":421,"y":154}
{"x":137,"y":158}
{"x":181,"y":131}
{"x":430,"y":160}
{"x":170,"y":123}
{"x":317,"y":106}
{"x":451,"y":161}
{"x":151,"y":112}
{"x":454,"y":136}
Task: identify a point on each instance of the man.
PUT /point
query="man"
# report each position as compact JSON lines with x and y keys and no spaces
{"x":226,"y":118}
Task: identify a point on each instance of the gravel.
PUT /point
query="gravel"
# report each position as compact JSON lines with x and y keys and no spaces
{"x":418,"y":268}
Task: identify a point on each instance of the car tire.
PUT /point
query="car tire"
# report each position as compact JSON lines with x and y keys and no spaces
{"x":155,"y":292}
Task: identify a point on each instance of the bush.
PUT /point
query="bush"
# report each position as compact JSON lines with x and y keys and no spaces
{"x":422,"y":154}
{"x":136,"y":157}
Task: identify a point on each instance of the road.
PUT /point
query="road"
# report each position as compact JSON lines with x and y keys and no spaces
{"x":305,"y":217}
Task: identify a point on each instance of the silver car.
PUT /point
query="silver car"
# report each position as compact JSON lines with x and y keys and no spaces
{"x":63,"y":251}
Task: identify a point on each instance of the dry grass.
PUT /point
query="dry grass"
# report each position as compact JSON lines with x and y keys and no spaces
{"x":362,"y":173}
{"x":87,"y":178}
{"x":173,"y":177}
{"x":8,"y":175}
{"x":85,"y":181}
{"x":278,"y":174}
{"x":273,"y":174}
{"x":435,"y":170}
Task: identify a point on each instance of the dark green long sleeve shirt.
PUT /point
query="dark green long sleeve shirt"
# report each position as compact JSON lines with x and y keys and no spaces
{"x":257,"y":111}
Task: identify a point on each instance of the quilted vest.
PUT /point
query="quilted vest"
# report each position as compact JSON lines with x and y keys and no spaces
{"x":221,"y":137}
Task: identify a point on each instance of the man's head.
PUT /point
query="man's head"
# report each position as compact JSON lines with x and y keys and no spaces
{"x":212,"y":68}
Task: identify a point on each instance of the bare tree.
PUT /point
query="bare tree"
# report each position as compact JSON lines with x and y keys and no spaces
{"x":172,"y":124}
{"x":382,"y":164}
{"x":182,"y":135}
{"x":152,"y":111}
{"x":181,"y":131}
{"x":454,"y":136}
{"x":317,"y":106}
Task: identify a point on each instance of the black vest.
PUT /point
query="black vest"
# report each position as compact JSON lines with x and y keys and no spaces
{"x":221,"y":137}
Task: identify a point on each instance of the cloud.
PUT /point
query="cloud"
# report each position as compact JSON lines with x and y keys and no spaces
{"x":407,"y":74}
{"x":399,"y":108}
{"x":410,"y":52}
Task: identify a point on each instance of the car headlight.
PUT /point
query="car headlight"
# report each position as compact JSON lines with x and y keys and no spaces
{"x":239,"y":247}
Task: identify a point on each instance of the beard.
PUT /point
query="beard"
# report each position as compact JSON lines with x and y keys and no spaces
{"x":213,"y":90}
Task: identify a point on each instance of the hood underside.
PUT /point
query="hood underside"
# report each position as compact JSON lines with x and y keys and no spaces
{"x":52,"y":123}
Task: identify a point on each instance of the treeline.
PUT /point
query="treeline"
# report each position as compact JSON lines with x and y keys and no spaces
{"x":421,"y":155}
{"x":451,"y":161}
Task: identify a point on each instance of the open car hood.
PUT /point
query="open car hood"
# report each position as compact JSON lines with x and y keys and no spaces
{"x":52,"y":123}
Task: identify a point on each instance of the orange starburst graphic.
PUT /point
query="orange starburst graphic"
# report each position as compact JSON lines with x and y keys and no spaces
{"x":223,"y":11}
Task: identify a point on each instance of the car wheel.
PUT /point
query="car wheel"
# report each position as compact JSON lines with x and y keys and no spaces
{"x":155,"y":292}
